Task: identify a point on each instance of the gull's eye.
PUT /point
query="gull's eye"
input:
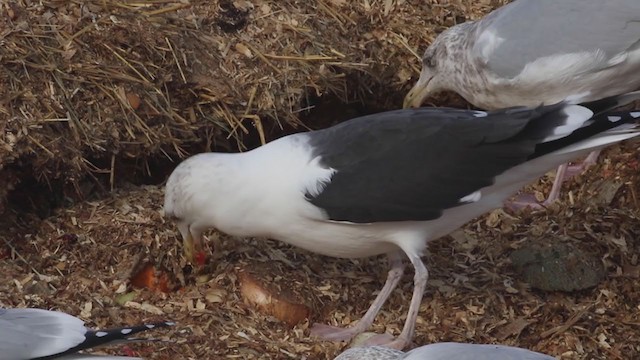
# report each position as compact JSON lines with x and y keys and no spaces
{"x":429,"y":61}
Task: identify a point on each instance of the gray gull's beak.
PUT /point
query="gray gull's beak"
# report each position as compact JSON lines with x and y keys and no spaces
{"x":419,"y":92}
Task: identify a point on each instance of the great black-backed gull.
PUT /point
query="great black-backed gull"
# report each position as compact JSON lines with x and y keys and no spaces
{"x":385,"y":183}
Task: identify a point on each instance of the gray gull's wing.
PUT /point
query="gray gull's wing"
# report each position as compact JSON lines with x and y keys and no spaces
{"x":525,"y":30}
{"x":370,"y":353}
{"x":444,"y":351}
{"x":461,"y":351}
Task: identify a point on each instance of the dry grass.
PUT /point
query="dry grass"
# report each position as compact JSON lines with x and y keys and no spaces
{"x":86,"y":85}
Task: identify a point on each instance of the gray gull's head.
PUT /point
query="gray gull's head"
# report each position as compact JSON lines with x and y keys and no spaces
{"x":530,"y":52}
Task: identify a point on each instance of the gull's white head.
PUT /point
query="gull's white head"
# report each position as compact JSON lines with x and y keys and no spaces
{"x":193,"y":197}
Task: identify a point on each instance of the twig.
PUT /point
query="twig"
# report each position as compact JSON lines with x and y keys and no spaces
{"x":20,"y":257}
{"x":112,"y":174}
{"x":263,"y":58}
{"x":404,"y":43}
{"x":126,"y":63}
{"x":166,"y":9}
{"x":40,"y":145}
{"x":184,"y":79}
{"x":300,"y":58}
{"x":562,"y":328}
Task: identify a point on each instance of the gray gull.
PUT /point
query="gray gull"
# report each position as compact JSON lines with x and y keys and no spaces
{"x":537,"y":51}
{"x":29,"y":334}
{"x":385,"y":183}
{"x":444,"y":351}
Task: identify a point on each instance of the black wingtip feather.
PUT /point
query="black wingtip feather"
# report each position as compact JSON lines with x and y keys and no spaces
{"x":600,"y":122}
{"x":597,"y":124}
{"x":613,"y":102}
{"x":96,"y":338}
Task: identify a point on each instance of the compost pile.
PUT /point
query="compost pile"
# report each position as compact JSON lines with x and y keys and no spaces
{"x":99,"y":97}
{"x":99,"y":90}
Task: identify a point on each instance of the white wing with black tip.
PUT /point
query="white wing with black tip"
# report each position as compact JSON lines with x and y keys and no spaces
{"x":42,"y":334}
{"x":93,"y":339}
{"x":412,"y":164}
{"x":32,"y":333}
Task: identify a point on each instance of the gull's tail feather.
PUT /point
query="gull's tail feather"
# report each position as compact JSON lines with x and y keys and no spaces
{"x":589,"y":126}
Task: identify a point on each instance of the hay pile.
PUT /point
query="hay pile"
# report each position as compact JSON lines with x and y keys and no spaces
{"x":105,"y":90}
{"x":87,"y":87}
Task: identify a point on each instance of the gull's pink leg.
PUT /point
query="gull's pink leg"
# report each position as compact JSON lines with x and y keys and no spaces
{"x":589,"y":161}
{"x":419,"y":284}
{"x":592,"y":159}
{"x":557,"y":184}
{"x":528,"y":200}
{"x":334,"y":333}
{"x":564,"y":172}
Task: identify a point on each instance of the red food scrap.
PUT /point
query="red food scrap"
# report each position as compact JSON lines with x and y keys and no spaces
{"x":201,"y":258}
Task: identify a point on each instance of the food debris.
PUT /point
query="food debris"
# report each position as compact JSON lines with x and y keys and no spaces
{"x":153,"y":279}
{"x":277,"y":298}
{"x":201,"y":258}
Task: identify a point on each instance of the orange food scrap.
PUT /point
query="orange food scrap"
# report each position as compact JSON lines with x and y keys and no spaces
{"x":134,"y":100}
{"x":151,"y":278}
{"x":270,"y":301}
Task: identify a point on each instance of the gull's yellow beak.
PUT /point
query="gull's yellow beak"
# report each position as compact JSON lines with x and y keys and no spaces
{"x":192,"y":246}
{"x":418,"y":93}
